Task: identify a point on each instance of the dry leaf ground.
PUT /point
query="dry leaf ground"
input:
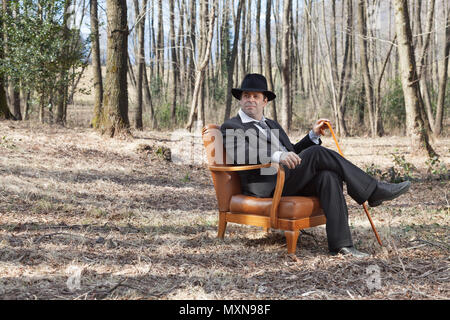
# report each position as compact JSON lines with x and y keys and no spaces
{"x":88,"y":217}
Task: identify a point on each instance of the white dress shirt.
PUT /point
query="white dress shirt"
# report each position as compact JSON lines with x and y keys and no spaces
{"x":277,"y":154}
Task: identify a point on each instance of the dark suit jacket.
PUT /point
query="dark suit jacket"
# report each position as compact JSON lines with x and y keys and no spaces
{"x":246,"y":138}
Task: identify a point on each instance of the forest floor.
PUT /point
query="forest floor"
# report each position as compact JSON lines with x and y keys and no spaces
{"x":87,"y":217}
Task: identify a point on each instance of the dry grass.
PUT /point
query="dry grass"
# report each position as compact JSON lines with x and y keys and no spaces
{"x":135,"y":227}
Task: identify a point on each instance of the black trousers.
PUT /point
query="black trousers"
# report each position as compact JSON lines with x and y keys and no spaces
{"x":322,"y":173}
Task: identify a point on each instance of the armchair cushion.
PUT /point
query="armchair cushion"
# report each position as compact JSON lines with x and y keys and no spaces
{"x":295,"y":207}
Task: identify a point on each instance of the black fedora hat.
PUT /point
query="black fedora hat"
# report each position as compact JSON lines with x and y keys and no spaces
{"x":253,"y":82}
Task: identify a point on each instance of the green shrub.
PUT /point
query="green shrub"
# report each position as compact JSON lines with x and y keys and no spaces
{"x":402,"y":170}
{"x":7,"y":143}
{"x":393,"y":105}
{"x":435,"y":167}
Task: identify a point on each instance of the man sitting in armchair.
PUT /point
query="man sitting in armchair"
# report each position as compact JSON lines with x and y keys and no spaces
{"x":311,"y":170}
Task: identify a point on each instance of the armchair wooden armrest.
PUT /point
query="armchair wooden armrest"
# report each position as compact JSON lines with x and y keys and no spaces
{"x":277,"y":196}
{"x":278,"y":188}
{"x":240,"y":168}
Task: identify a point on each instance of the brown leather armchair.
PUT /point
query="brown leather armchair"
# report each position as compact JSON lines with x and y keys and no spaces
{"x":290,"y":214}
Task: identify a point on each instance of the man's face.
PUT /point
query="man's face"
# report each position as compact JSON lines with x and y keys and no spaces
{"x":253,"y":103}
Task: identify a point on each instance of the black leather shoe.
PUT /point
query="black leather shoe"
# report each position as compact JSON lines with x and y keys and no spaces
{"x":387,"y":191}
{"x":350,"y":251}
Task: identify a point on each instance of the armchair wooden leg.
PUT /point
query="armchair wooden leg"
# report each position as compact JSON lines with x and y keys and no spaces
{"x":222,"y":225}
{"x":291,"y":240}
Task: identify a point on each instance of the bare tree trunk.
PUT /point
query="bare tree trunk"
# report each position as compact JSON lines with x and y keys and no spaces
{"x":148,"y":99}
{"x":160,"y":45}
{"x":4,"y":110}
{"x":285,"y":62}
{"x":258,"y":37}
{"x":140,"y":59}
{"x":131,"y":73}
{"x":175,"y":66}
{"x":203,"y":63}
{"x":96,"y":66}
{"x":334,"y":65}
{"x":292,"y":66}
{"x":346,"y":72}
{"x":301,"y":54}
{"x":312,"y":88}
{"x":414,"y":121}
{"x":61,"y":98}
{"x":242,"y":56}
{"x":191,"y":46}
{"x":380,"y":77}
{"x":14,"y":87}
{"x":41,"y":107}
{"x":295,"y":62}
{"x":368,"y":86}
{"x":278,"y":26}
{"x":424,"y":44}
{"x":443,"y":78}
{"x":26,"y":101}
{"x":152,"y":41}
{"x":268,"y":59}
{"x":331,"y":66}
{"x":201,"y":49}
{"x":375,"y":66}
{"x":248,"y":28}
{"x":231,"y":60}
{"x":182,"y":45}
{"x":115,"y":97}
{"x":61,"y":108}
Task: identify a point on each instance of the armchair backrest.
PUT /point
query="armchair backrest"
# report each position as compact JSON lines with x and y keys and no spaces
{"x":226,"y":184}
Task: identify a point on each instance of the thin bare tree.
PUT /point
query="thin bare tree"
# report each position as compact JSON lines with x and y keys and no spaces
{"x":160,"y":44}
{"x":415,"y":124}
{"x":14,"y":90}
{"x":231,"y":59}
{"x":364,"y":60}
{"x":258,"y":38}
{"x":96,"y":65}
{"x":200,"y":70}
{"x":175,"y":64}
{"x":285,"y":66}
{"x":346,"y":71}
{"x":268,"y":58}
{"x":423,"y":43}
{"x":140,"y":15}
{"x":443,"y":78}
{"x":4,"y":110}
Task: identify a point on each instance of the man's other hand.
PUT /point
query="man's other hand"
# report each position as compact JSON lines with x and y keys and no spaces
{"x":320,"y":126}
{"x":290,"y":159}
